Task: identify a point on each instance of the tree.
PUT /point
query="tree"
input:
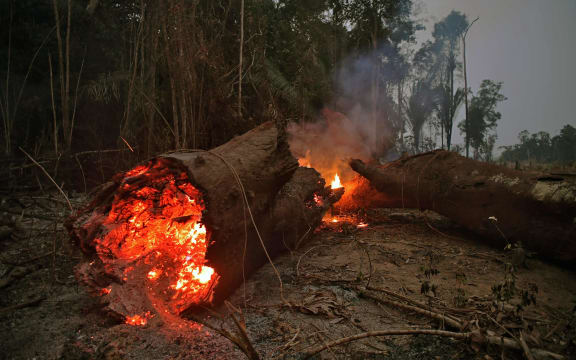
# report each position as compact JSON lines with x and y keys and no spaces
{"x":420,"y":107}
{"x":565,"y":144}
{"x":483,"y":115}
{"x":447,"y":34}
{"x":543,"y":148}
{"x":378,"y":28}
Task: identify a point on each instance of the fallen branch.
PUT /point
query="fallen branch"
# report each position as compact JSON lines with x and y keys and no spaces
{"x":34,"y":302}
{"x":525,"y":347}
{"x":474,"y":336}
{"x":444,"y":319}
{"x":15,"y":274}
{"x":456,"y":335}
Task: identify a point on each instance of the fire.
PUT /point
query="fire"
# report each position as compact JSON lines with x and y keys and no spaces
{"x":203,"y":275}
{"x":157,"y":240}
{"x":336,"y":184}
{"x":138,"y":320}
{"x":154,"y":274}
{"x":305,"y":161}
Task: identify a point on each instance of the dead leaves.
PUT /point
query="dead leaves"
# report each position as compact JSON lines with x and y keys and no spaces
{"x":323,"y":302}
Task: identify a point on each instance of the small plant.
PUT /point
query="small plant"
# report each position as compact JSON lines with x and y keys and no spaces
{"x":428,"y":286}
{"x":460,"y":297}
{"x":506,"y":291}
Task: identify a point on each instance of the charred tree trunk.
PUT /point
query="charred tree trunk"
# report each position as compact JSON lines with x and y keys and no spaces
{"x":536,"y":210}
{"x":285,"y":201}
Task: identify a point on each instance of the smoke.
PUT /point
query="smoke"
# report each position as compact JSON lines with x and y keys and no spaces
{"x":356,"y":124}
{"x":326,"y":145}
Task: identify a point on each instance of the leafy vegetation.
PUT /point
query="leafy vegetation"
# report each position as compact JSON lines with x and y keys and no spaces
{"x":543,"y":148}
{"x":93,"y":74}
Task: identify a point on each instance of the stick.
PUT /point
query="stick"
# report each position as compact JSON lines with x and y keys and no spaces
{"x":34,"y":302}
{"x":451,"y":322}
{"x":474,"y":336}
{"x":301,"y":256}
{"x":525,"y":347}
{"x":49,"y":177}
{"x":316,"y":350}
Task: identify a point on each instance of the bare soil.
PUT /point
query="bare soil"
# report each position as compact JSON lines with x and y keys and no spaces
{"x":44,"y":314}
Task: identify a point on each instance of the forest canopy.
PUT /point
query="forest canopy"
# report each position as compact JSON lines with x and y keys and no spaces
{"x":103,"y":74}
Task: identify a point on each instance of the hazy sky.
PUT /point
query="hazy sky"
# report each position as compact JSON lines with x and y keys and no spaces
{"x":530,"y":45}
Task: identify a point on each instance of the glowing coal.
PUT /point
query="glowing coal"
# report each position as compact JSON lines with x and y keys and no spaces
{"x":155,"y":228}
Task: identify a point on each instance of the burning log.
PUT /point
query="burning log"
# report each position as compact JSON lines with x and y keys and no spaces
{"x":186,"y":228}
{"x":502,"y":205}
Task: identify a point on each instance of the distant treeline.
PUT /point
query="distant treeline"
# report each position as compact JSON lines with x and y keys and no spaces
{"x":541,"y":147}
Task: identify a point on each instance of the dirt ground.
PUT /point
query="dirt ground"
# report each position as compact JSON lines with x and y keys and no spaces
{"x":417,"y":259}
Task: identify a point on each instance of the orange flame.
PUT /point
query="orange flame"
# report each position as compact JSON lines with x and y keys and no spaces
{"x":336,"y":184}
{"x":305,"y":161}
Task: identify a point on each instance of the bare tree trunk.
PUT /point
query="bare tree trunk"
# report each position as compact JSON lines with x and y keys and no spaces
{"x":55,"y":125}
{"x":67,"y":122}
{"x":6,"y":108}
{"x":467,"y":124}
{"x":241,"y":58}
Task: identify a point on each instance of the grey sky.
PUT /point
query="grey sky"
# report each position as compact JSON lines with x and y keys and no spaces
{"x":530,"y":45}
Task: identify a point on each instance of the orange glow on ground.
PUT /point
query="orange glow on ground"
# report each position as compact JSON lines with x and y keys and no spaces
{"x":156,"y":239}
{"x":138,"y":320}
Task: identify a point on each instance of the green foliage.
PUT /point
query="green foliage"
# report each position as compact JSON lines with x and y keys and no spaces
{"x":421,"y":104}
{"x":542,"y":148}
{"x":164,"y":74}
{"x":483,"y":117}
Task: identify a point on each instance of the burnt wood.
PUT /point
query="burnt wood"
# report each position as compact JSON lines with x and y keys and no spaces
{"x":283,"y":199}
{"x":534,"y":209}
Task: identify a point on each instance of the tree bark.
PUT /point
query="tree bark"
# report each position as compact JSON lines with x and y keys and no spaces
{"x":287,"y":203}
{"x":536,"y":210}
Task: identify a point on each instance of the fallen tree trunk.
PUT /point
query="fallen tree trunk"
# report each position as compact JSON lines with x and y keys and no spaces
{"x":164,"y":226}
{"x":500,"y":204}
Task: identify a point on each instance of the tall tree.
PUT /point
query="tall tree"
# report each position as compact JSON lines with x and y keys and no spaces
{"x":420,"y":107}
{"x":447,"y":35}
{"x":378,"y":28}
{"x":483,"y":115}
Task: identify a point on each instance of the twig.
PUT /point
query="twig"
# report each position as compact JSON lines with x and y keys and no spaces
{"x":301,"y":256}
{"x":525,"y":347}
{"x":511,"y":344}
{"x":398,"y":296}
{"x":24,"y":262}
{"x":474,"y":336}
{"x":242,"y":341}
{"x":34,"y":302}
{"x":15,"y":274}
{"x":316,"y":350}
{"x":127,"y":144}
{"x":49,"y":177}
{"x":449,"y":321}
{"x":241,"y":325}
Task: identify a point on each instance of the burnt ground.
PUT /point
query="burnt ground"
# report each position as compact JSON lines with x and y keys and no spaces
{"x":44,"y":314}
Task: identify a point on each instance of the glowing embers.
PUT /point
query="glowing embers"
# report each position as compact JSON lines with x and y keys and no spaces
{"x":139,"y":320}
{"x":155,"y":241}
